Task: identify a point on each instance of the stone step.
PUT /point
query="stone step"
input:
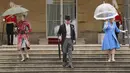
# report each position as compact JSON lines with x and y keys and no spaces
{"x":41,"y":70}
{"x":74,"y":55}
{"x":63,"y":69}
{"x":85,"y":51}
{"x":60,"y":66}
{"x":12,"y":60}
{"x":34,"y":53}
{"x":95,"y":48}
{"x":42,"y":60}
{"x":56,"y":52}
{"x":55,"y":46}
{"x":56,"y":56}
{"x":73,"y":72}
{"x":54,"y":63}
{"x":75,"y":58}
{"x":9,"y":60}
{"x":69,"y":72}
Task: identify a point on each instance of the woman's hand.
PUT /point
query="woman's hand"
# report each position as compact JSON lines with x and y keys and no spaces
{"x":124,"y":31}
{"x":106,"y":25}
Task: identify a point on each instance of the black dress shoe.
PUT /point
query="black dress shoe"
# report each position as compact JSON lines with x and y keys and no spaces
{"x":70,"y":66}
{"x":22,"y":49}
{"x":9,"y":44}
{"x":28,"y":48}
{"x":65,"y":64}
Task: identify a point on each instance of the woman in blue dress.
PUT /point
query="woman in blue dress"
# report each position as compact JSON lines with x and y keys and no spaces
{"x":110,"y":42}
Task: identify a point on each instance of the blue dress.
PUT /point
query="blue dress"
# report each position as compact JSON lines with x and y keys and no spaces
{"x":110,"y":41}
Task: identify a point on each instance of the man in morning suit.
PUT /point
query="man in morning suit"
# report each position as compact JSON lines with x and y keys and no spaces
{"x":67,"y":36}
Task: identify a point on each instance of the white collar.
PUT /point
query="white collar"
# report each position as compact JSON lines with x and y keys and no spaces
{"x":67,"y":24}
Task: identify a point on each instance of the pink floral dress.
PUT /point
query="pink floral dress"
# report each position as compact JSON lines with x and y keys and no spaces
{"x":23,"y":38}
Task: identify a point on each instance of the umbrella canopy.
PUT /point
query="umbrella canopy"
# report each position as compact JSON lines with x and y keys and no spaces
{"x":105,"y":11}
{"x":15,"y":10}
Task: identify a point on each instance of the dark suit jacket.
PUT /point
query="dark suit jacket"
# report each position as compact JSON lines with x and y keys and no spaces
{"x":62,"y":31}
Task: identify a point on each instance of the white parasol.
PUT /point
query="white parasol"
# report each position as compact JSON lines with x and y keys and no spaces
{"x":105,"y":11}
{"x":15,"y":10}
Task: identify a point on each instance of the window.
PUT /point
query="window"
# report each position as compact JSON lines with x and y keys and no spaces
{"x":54,"y":14}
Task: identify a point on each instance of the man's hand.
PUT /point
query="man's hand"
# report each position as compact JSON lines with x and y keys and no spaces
{"x":60,"y":38}
{"x":74,"y":41}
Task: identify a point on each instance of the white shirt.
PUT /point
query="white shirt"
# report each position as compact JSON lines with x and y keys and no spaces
{"x":68,"y":31}
{"x":56,"y":29}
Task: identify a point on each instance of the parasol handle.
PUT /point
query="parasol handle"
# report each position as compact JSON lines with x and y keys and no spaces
{"x":104,"y":2}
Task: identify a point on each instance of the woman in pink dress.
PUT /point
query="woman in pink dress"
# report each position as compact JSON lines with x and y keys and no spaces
{"x":23,"y":38}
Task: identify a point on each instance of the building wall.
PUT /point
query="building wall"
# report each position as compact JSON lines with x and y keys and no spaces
{"x":86,"y":10}
{"x":88,"y":27}
{"x":36,"y":14}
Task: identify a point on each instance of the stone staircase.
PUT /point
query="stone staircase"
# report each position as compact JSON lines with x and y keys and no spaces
{"x":44,"y":59}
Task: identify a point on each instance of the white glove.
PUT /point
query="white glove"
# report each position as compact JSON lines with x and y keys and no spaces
{"x":3,"y":19}
{"x":15,"y":29}
{"x":124,"y":31}
{"x":106,"y":25}
{"x":60,"y":38}
{"x":74,"y":41}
